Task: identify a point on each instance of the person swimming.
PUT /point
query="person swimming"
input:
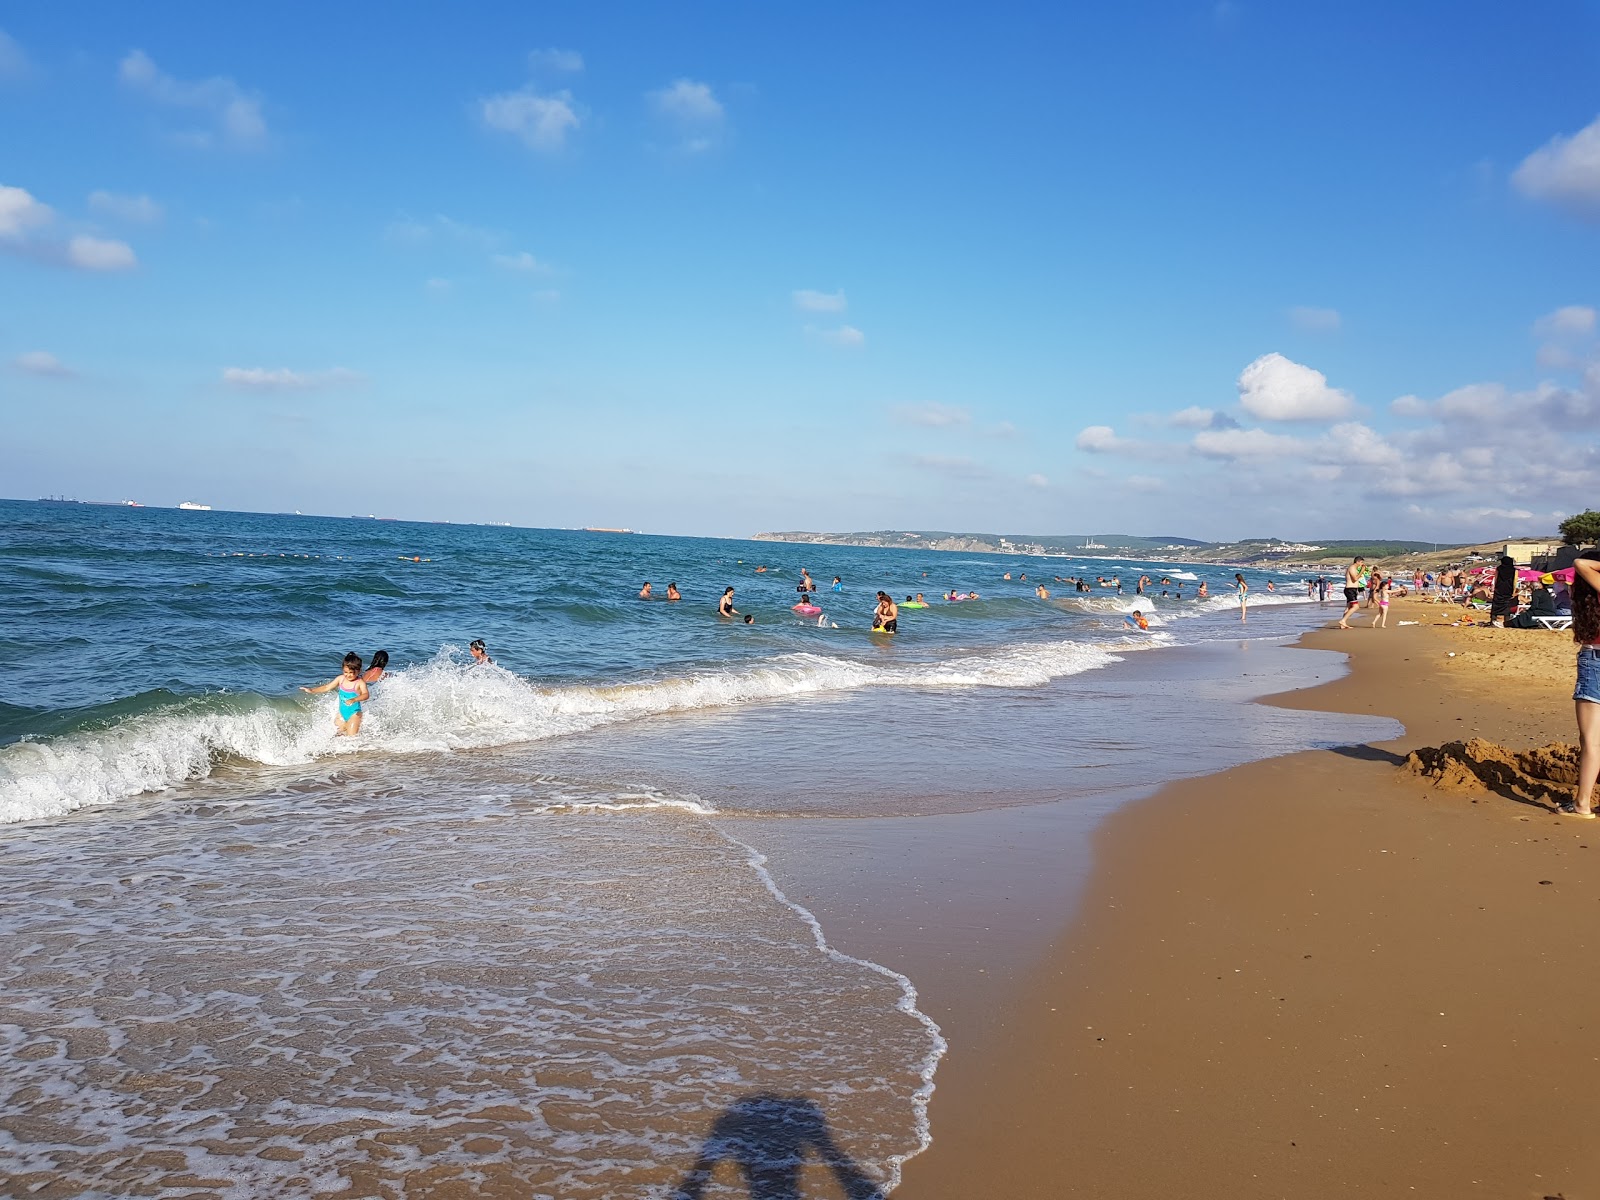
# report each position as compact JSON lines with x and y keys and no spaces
{"x":838,"y":584}
{"x":380,"y":664}
{"x":644,"y":592}
{"x":352,"y":695}
{"x":673,"y":593}
{"x":1137,"y":619}
{"x":479,"y":652}
{"x":805,"y":584}
{"x":887,"y":618}
{"x":749,"y":618}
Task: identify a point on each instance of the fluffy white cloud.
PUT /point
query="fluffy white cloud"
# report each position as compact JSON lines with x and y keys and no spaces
{"x":932,"y":415}
{"x":542,"y":122}
{"x":41,"y":362}
{"x":1316,"y":320}
{"x":1099,"y":439}
{"x":100,"y":254}
{"x":522,"y":262}
{"x":281,"y":379}
{"x":20,"y":213}
{"x":1193,"y":417}
{"x":1036,"y":481}
{"x":1245,"y":443}
{"x":692,"y":110}
{"x":234,"y":114}
{"x":807,"y":300}
{"x":139,"y":210}
{"x":566,"y":61}
{"x":1575,"y":320}
{"x":1565,"y":171}
{"x":1274,"y":388}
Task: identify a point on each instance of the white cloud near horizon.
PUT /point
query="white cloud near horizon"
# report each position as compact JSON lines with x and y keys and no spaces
{"x":282,"y":379}
{"x":20,"y":212}
{"x":568,"y":62}
{"x":137,"y":210}
{"x":540,"y":121}
{"x":521,"y":262}
{"x":100,"y":254}
{"x":1573,"y":320}
{"x":933,"y":415}
{"x":1245,"y":443}
{"x":847,"y":336}
{"x":43,"y":363}
{"x":235,"y":114}
{"x":1565,"y":172}
{"x":1275,"y":388}
{"x":807,"y":300}
{"x":1315,"y":320}
{"x":693,"y":111}
{"x":1193,"y":417}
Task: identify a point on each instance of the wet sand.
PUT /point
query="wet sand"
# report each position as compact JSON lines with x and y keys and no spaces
{"x":1313,"y":976}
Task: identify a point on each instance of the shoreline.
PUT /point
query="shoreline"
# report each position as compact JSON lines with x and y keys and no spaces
{"x":1311,"y":975}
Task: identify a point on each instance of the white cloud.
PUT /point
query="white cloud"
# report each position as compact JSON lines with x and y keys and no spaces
{"x":281,"y":379}
{"x":568,"y":62}
{"x":14,"y":64}
{"x":1316,"y":320}
{"x":1354,"y":443}
{"x":807,"y":300}
{"x":1099,"y":439}
{"x":1553,"y":357}
{"x":1565,"y":171}
{"x":1193,"y":417}
{"x":1575,"y":320}
{"x":846,"y":335}
{"x":412,"y":231}
{"x":234,"y":114}
{"x":1274,"y":388}
{"x":140,"y":210}
{"x":541,"y":121}
{"x":1245,"y":443}
{"x":693,"y":111}
{"x":932,"y":415}
{"x":21,"y":213}
{"x":40,"y":362}
{"x":100,"y":254}
{"x":1037,"y":481}
{"x":521,"y":261}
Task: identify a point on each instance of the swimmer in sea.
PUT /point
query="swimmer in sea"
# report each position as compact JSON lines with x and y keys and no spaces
{"x":838,"y":584}
{"x":725,"y":606}
{"x":352,"y":694}
{"x":749,"y":619}
{"x":1043,"y":592}
{"x":673,"y":593}
{"x":1137,"y":619}
{"x":805,"y":582}
{"x":887,"y":618}
{"x":479,"y":652}
{"x":1202,"y":593}
{"x":380,"y":664}
{"x":920,"y":600}
{"x":644,"y":592}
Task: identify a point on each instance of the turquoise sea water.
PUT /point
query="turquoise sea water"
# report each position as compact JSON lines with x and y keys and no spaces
{"x":501,"y":936}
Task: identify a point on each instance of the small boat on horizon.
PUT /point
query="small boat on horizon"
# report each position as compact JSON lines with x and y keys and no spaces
{"x":191,"y":506}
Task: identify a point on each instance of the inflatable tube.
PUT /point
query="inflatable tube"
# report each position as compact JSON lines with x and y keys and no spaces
{"x":913,"y":604}
{"x":807,"y":610}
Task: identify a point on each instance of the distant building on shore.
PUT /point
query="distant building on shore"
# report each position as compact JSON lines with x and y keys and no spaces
{"x":1523,"y":553}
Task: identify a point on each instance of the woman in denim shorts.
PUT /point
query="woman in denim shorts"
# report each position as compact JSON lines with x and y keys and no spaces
{"x":1586,"y":696}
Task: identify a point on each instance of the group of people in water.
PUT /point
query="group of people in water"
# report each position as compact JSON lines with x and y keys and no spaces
{"x":354,"y":684}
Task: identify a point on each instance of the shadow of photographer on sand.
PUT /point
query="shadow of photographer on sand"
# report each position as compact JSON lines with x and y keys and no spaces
{"x":770,"y":1138}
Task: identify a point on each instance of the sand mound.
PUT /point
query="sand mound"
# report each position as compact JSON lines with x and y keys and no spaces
{"x":1544,"y":775}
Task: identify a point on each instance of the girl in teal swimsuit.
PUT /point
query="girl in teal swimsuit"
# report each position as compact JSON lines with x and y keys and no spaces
{"x":352,"y":695}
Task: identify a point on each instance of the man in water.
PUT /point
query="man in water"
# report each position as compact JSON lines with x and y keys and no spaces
{"x":805,"y":582}
{"x":1354,"y":578}
{"x":644,"y":592}
{"x":480,"y":654}
{"x":1043,"y":592}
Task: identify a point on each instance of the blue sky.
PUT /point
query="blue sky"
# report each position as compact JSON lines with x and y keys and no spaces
{"x":1207,"y":269}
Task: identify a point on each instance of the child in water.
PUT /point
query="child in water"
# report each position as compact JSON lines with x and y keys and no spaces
{"x":380,"y":664}
{"x":352,"y":695}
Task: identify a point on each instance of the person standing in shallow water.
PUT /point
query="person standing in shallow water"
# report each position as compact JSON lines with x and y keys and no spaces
{"x":352,"y":695}
{"x":725,"y":606}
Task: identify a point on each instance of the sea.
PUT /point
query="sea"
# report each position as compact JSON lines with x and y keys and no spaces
{"x":529,"y":934}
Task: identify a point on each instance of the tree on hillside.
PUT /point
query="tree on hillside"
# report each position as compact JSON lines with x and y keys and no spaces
{"x":1581,"y":530}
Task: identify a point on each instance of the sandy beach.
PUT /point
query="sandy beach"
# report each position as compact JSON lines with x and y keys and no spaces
{"x":1321,"y":975}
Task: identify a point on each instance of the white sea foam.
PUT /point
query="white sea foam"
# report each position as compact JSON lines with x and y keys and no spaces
{"x":446,"y":705}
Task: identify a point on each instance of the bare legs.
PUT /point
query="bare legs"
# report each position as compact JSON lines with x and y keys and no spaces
{"x":1588,"y":753}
